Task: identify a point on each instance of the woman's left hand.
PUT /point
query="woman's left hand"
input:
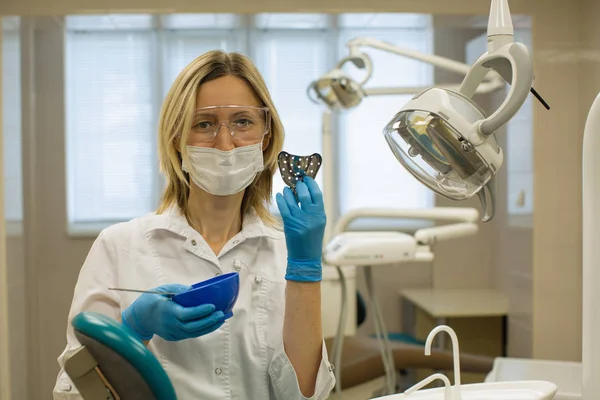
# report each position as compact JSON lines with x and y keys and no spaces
{"x":304,"y":223}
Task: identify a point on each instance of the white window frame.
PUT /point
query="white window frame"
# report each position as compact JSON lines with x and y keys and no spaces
{"x":14,"y":227}
{"x":92,"y":228}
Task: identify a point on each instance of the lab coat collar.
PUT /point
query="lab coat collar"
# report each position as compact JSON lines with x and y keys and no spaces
{"x":174,"y":221}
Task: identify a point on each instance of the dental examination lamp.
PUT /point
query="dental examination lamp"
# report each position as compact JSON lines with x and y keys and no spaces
{"x":369,"y":249}
{"x":441,"y":136}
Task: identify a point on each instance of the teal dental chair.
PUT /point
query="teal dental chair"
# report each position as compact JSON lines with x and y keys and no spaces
{"x":113,"y":364}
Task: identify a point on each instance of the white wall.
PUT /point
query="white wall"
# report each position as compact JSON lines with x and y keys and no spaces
{"x":44,"y":286}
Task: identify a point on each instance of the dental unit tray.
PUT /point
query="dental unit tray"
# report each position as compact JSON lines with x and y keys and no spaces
{"x":294,"y":168}
{"x":519,"y":390}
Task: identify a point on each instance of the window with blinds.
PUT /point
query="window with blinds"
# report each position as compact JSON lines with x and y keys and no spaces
{"x":119,"y":68}
{"x":291,"y":51}
{"x":11,"y":120}
{"x":111,"y":119}
{"x":370,"y":175}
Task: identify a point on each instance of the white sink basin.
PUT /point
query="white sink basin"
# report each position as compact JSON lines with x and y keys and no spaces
{"x":512,"y":390}
{"x":525,"y":390}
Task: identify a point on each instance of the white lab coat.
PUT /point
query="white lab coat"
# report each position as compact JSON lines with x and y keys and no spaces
{"x":244,"y":359}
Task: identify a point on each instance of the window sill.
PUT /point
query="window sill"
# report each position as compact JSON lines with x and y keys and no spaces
{"x":14,"y":228}
{"x":524,"y":221}
{"x":89,"y":230}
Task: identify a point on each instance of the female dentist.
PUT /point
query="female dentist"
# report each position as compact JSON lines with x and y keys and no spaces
{"x":219,"y":137}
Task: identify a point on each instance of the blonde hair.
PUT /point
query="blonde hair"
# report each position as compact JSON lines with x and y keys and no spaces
{"x":176,"y":121}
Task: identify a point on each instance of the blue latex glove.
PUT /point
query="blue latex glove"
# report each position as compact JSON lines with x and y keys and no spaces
{"x":154,"y":314}
{"x":304,"y":227}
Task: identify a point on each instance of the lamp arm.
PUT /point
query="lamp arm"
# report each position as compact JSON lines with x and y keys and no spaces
{"x":513,"y":63}
{"x":484,"y":88}
{"x":490,"y":82}
{"x":455,"y":214}
{"x":438,"y":61}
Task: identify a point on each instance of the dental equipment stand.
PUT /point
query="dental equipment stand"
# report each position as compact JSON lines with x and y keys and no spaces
{"x":368,"y":249}
{"x":490,"y":84}
{"x":339,"y":100}
{"x":441,"y":136}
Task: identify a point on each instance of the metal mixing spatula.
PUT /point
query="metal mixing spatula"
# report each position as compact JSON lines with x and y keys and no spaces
{"x":166,"y":294}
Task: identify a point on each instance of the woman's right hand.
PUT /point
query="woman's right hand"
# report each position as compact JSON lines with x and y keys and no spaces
{"x":154,"y":314}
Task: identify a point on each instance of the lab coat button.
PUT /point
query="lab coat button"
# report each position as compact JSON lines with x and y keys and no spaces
{"x":67,"y":387}
{"x":193,"y":242}
{"x":257,"y":279}
{"x":331,"y":367}
{"x":236,"y":265}
{"x":218,"y":371}
{"x":236,"y":241}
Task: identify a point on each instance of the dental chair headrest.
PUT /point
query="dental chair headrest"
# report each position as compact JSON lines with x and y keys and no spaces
{"x":124,"y":378}
{"x":130,"y":368}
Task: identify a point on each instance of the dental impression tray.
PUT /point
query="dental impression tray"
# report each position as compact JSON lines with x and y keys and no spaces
{"x":294,"y":168}
{"x":521,"y":390}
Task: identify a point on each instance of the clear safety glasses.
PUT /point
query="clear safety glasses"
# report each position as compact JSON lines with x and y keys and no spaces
{"x":246,"y":124}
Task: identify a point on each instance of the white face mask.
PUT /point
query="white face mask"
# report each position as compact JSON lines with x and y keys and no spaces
{"x":223,"y":173}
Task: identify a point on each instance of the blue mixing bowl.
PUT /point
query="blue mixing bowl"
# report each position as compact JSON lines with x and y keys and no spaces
{"x":222,"y":291}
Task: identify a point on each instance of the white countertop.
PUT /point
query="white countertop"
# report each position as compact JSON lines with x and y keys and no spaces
{"x":448,"y":303}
